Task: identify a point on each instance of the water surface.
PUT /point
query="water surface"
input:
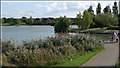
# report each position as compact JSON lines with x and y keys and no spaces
{"x":20,"y":33}
{"x":23,"y":33}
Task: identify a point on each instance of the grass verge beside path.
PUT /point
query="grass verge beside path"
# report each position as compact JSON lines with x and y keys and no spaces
{"x":77,"y":60}
{"x":118,"y":63}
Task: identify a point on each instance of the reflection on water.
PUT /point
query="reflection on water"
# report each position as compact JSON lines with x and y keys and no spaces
{"x":21,"y":33}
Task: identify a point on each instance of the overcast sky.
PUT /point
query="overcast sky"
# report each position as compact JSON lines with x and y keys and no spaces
{"x":49,"y":9}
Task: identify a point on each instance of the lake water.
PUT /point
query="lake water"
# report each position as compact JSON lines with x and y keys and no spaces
{"x":22,"y":33}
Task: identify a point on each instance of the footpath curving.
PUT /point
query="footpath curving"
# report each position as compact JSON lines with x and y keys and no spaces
{"x":107,"y":57}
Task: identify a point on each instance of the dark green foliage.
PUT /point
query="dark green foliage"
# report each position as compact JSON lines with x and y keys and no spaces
{"x":84,"y":21}
{"x":24,"y":19}
{"x":87,"y":20}
{"x":90,"y":10}
{"x":79,"y":20}
{"x":107,"y":9}
{"x":10,"y":20}
{"x":62,"y":24}
{"x":115,"y":8}
{"x":98,"y":9}
{"x":30,"y":20}
{"x":15,"y":21}
{"x":106,"y":20}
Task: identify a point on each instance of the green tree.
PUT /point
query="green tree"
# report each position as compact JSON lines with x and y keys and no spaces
{"x":104,"y":20}
{"x":115,"y":9}
{"x":10,"y":20}
{"x":90,"y":10}
{"x":62,"y":24}
{"x":30,"y":21}
{"x":98,"y":9}
{"x":115,"y":20}
{"x":107,"y":9}
{"x":78,"y":20}
{"x":15,"y":21}
{"x":87,"y":20}
{"x":24,"y":19}
{"x":4,"y":20}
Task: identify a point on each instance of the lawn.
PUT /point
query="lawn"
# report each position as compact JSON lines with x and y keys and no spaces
{"x":96,"y":30}
{"x":77,"y":60}
{"x":118,"y":64}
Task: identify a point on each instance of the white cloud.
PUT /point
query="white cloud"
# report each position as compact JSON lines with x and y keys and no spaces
{"x":10,"y":3}
{"x":19,"y":11}
{"x":54,"y":9}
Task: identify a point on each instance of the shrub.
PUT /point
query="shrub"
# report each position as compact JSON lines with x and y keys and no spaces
{"x":7,"y":46}
{"x":48,"y":51}
{"x":62,"y":24}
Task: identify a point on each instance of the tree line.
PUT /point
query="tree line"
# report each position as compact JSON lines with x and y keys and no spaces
{"x":90,"y":20}
{"x":84,"y":21}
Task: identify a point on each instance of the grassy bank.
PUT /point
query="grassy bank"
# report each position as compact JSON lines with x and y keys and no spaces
{"x":77,"y":60}
{"x":49,"y":51}
{"x":118,"y":64}
{"x":96,"y":30}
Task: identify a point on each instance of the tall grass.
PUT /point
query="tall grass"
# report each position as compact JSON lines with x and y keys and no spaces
{"x":48,"y":51}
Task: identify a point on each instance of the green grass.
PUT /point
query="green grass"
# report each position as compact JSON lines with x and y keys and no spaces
{"x":118,"y":63}
{"x":5,"y":24}
{"x":77,"y":60}
{"x":8,"y":24}
{"x":95,"y":30}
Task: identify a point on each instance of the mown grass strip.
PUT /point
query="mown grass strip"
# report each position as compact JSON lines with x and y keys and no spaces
{"x":118,"y":64}
{"x":77,"y":60}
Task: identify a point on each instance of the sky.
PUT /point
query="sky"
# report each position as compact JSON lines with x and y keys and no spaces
{"x":39,"y":9}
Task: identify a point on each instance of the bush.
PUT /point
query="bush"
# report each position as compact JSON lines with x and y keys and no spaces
{"x":106,"y":20}
{"x":48,"y":51}
{"x":7,"y":46}
{"x":62,"y":24}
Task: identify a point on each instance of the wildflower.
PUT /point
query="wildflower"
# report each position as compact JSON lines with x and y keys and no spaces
{"x":51,"y":37}
{"x":70,"y":36}
{"x":48,"y":37}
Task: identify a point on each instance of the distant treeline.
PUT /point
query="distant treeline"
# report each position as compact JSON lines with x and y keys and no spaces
{"x":102,"y":18}
{"x":31,"y":21}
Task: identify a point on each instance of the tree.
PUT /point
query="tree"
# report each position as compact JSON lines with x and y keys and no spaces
{"x":10,"y":20}
{"x":115,"y":20}
{"x":87,"y":20}
{"x":24,"y":19}
{"x":62,"y":24}
{"x":15,"y":21}
{"x":98,"y":9}
{"x":78,"y":20}
{"x":30,"y":21}
{"x":90,"y":10}
{"x":107,"y":9}
{"x":105,"y":20}
{"x":4,"y":20}
{"x":115,"y":9}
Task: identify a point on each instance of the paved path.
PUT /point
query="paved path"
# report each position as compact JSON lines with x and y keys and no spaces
{"x":107,"y":57}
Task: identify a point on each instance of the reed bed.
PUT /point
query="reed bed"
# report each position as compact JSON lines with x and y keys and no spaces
{"x":47,"y":52}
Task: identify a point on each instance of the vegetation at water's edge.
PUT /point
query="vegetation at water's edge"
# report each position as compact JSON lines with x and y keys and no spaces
{"x":49,"y":51}
{"x":85,"y":21}
{"x":118,"y":63}
{"x":78,"y":60}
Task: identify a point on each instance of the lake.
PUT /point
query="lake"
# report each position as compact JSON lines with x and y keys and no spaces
{"x":26,"y":33}
{"x":20,"y":33}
